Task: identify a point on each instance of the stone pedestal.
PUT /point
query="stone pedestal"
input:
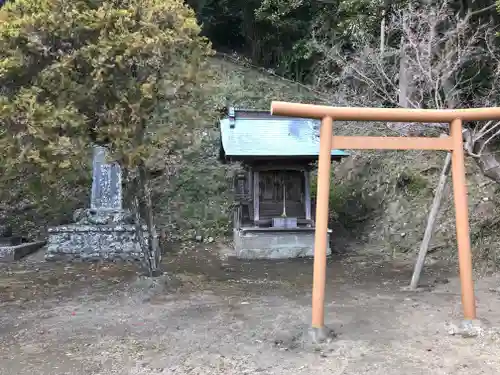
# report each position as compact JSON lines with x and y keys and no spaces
{"x":272,"y":243}
{"x":105,"y":231}
{"x":93,"y":242}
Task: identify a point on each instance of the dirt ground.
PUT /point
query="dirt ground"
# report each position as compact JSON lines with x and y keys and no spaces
{"x":238,"y":318}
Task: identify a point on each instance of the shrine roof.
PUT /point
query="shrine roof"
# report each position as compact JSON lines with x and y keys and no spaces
{"x":248,"y":133}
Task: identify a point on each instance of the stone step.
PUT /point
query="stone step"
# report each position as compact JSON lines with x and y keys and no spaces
{"x":16,"y":252}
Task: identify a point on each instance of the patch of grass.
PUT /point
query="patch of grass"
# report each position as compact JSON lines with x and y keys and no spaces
{"x":348,"y":203}
{"x":412,"y":183}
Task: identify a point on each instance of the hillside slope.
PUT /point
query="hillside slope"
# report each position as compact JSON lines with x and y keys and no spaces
{"x":380,"y":200}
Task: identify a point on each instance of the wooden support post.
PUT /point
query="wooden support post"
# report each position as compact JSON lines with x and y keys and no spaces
{"x":462,"y":221}
{"x":307,"y":194}
{"x":256,"y":192}
{"x":431,"y":222}
{"x":320,"y":235}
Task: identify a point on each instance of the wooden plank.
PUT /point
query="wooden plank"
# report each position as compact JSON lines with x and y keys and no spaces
{"x":256,"y":191}
{"x":237,"y":217}
{"x":279,"y":167}
{"x":431,"y":221}
{"x":270,"y":209}
{"x":383,"y":114}
{"x":307,"y":195}
{"x":250,"y":193}
{"x":391,"y":143}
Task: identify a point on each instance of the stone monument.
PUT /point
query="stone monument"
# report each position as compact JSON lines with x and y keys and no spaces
{"x":104,"y":231}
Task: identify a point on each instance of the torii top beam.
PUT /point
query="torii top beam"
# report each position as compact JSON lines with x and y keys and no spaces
{"x":383,"y":114}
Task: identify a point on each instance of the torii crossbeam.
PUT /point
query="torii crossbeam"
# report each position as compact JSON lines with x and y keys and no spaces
{"x":328,"y":141}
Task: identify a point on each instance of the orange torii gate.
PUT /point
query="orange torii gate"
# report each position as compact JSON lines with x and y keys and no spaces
{"x":328,"y":141}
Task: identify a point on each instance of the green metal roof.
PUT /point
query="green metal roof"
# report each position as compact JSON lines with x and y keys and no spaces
{"x":259,"y":134}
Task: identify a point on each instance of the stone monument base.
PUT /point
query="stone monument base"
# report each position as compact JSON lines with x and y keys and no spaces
{"x":99,"y":234}
{"x":93,"y":242}
{"x":274,"y":243}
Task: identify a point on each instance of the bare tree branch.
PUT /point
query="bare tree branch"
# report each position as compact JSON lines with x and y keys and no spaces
{"x":445,"y":56}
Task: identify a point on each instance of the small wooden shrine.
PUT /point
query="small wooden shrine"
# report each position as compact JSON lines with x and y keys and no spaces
{"x":274,"y":211}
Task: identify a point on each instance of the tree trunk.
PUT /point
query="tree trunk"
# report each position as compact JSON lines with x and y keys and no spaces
{"x":141,"y":205}
{"x":431,"y":222}
{"x":404,"y":92}
{"x":153,"y":247}
{"x":139,"y":232}
{"x":382,"y":34}
{"x":383,"y":25}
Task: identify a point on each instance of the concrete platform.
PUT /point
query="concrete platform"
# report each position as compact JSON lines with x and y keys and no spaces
{"x":16,"y":252}
{"x":274,"y":243}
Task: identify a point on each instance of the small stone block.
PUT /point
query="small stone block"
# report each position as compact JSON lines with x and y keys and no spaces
{"x":321,"y":335}
{"x":467,"y":328}
{"x":13,"y":253}
{"x":276,"y":244}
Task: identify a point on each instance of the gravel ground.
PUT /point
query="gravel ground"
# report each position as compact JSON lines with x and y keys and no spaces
{"x":213,"y":317}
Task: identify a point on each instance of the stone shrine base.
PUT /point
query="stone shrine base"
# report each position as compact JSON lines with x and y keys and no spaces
{"x":91,"y":242}
{"x":274,"y":243}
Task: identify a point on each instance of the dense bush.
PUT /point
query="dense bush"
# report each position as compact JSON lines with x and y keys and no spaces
{"x":127,"y":74}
